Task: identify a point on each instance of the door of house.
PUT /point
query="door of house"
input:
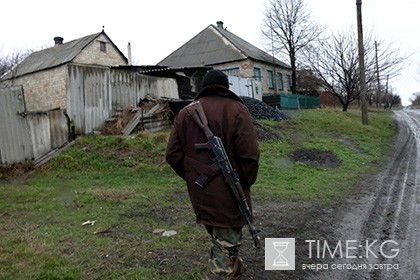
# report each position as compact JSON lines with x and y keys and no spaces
{"x":245,"y":87}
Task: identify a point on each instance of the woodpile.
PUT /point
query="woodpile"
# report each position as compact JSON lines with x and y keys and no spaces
{"x":151,"y":115}
{"x":157,"y":114}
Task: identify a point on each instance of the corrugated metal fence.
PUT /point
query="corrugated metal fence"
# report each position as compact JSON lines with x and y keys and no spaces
{"x":93,"y":95}
{"x":28,"y":135}
{"x":97,"y":93}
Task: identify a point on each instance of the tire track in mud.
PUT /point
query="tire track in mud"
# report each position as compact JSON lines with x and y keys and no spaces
{"x":387,"y":214}
{"x":391,"y":214}
{"x":410,"y":238}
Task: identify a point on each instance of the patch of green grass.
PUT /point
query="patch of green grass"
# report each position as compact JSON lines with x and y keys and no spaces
{"x":126,"y":187}
{"x":358,"y":147}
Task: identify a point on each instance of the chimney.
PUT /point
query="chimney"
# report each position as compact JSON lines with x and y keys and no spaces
{"x":129,"y":53}
{"x":220,"y":24}
{"x":58,"y":40}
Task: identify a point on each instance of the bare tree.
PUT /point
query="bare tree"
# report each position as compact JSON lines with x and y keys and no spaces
{"x":7,"y":62}
{"x":335,"y":61}
{"x":288,"y":28}
{"x":415,"y":99}
{"x":394,"y":99}
{"x":389,"y":98}
{"x":384,"y":62}
{"x":307,"y":83}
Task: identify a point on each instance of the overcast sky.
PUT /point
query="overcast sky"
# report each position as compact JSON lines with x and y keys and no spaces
{"x":157,"y":28}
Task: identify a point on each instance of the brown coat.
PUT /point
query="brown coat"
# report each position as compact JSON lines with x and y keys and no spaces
{"x":229,"y":119}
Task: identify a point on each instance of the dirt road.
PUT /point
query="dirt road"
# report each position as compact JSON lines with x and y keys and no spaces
{"x":375,"y":234}
{"x":383,"y":223}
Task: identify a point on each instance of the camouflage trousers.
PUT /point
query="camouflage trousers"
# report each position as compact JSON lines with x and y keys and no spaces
{"x":224,"y":262}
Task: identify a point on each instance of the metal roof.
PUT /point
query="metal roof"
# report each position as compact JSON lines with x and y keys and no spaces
{"x":52,"y":57}
{"x":215,"y":45}
{"x":164,"y":71}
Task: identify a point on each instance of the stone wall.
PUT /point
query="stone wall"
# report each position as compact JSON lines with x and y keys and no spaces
{"x":93,"y":55}
{"x":44,"y":90}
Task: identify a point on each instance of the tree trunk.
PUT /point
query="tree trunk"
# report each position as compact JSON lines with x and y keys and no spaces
{"x":293,"y":66}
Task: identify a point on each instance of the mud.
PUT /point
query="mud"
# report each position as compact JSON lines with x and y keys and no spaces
{"x":378,"y":228}
{"x":316,"y":158}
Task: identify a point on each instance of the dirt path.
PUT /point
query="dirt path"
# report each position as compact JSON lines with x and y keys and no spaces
{"x":379,"y":221}
{"x":385,"y":218}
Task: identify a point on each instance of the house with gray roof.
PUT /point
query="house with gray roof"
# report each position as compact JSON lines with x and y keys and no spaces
{"x":219,"y":48}
{"x":95,"y":49}
{"x":44,"y":74}
{"x":85,"y":78}
{"x":72,"y":88}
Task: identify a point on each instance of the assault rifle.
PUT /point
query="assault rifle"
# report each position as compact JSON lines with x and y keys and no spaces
{"x":220,"y":157}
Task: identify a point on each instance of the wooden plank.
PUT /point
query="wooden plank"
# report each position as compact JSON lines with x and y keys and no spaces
{"x":132,"y":123}
{"x":137,"y":118}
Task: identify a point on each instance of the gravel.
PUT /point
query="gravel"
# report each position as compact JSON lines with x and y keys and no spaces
{"x":262,"y":111}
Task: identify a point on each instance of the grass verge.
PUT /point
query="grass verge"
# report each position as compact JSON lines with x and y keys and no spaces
{"x":128,"y":192}
{"x":359,"y":148}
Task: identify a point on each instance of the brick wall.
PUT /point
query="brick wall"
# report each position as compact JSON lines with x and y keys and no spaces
{"x":44,"y":90}
{"x":93,"y":55}
{"x":246,"y":70}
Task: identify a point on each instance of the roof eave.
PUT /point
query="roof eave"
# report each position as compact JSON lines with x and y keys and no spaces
{"x":32,"y":72}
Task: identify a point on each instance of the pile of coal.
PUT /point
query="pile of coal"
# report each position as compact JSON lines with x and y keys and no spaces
{"x":262,"y":111}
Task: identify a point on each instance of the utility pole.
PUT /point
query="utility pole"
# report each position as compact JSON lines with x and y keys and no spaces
{"x":386,"y":93}
{"x":363,"y":94}
{"x":378,"y":92}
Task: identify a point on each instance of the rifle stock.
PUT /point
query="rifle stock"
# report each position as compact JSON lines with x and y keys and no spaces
{"x":197,"y":113}
{"x":215,"y":144}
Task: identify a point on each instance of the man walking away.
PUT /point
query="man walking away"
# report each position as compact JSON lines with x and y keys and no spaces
{"x":213,"y":201}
